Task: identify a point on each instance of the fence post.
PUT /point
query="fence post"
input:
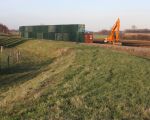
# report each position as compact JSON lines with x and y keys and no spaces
{"x":18,"y":54}
{"x":8,"y":60}
{"x":2,"y":49}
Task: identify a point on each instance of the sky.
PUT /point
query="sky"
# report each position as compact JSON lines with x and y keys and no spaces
{"x":95,"y":14}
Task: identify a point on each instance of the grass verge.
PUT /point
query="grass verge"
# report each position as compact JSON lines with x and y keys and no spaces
{"x":69,"y":81}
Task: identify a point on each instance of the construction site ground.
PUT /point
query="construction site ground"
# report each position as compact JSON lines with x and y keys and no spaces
{"x":143,"y":51}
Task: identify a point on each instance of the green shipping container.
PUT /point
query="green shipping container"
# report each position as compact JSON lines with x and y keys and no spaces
{"x":39,"y":35}
{"x":51,"y":28}
{"x":72,"y":32}
{"x":51,"y":36}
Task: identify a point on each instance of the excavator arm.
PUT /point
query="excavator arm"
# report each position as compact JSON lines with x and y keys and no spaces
{"x":114,"y":34}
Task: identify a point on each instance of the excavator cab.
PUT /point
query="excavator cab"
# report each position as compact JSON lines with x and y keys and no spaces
{"x":114,"y":34}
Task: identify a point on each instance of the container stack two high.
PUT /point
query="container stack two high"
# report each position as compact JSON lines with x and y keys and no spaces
{"x":72,"y":32}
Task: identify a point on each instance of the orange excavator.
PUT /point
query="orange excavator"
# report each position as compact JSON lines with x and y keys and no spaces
{"x":114,"y":34}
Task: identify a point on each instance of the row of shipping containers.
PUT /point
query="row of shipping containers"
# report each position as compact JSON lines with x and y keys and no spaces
{"x":74,"y":32}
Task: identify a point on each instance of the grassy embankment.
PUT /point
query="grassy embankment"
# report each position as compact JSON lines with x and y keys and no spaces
{"x":61,"y":80}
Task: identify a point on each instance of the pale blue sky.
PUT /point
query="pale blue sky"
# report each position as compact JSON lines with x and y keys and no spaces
{"x":95,"y":14}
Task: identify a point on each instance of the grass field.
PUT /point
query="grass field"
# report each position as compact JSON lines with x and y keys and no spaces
{"x":62,"y":80}
{"x":99,"y":36}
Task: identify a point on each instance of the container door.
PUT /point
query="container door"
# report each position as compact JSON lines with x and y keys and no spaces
{"x":26,"y":35}
{"x":52,"y":28}
{"x":58,"y":36}
{"x":39,"y":35}
{"x":65,"y":36}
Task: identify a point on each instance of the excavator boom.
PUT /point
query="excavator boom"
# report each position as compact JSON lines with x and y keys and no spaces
{"x":114,"y":34}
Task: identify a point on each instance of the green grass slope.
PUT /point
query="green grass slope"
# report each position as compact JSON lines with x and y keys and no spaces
{"x":62,"y":80}
{"x":11,"y":41}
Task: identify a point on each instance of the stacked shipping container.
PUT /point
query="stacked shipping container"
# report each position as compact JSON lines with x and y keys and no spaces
{"x":74,"y":32}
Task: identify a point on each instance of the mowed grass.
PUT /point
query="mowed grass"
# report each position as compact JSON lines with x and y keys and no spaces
{"x":69,"y":81}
